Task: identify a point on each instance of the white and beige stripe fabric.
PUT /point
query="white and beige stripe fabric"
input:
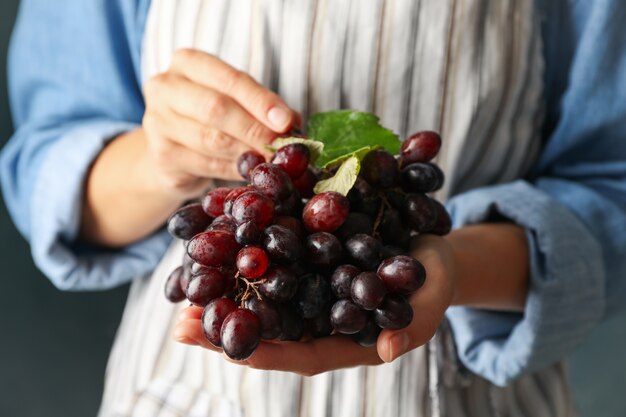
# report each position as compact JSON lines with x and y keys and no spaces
{"x":469,"y":69}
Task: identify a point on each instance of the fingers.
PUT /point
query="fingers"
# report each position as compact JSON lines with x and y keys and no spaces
{"x":190,"y":332}
{"x":214,"y":73}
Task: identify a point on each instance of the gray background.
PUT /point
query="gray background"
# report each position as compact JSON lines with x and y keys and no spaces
{"x":54,"y":345}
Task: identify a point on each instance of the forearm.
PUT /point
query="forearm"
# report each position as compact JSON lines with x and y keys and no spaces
{"x":492,"y":266}
{"x":123,"y":202}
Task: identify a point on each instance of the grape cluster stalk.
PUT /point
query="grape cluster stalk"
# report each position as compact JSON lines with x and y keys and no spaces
{"x":272,"y":260}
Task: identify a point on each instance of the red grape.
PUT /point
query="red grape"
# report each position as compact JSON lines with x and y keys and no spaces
{"x":367,"y":290}
{"x":205,"y":287}
{"x":213,"y":317}
{"x":233,"y":195}
{"x":247,"y":233}
{"x":443,"y":225}
{"x":225,"y":222}
{"x":420,"y":147}
{"x":279,"y":284}
{"x":324,"y":250}
{"x":293,"y":159}
{"x":253,"y":206}
{"x":173,"y":290}
{"x":394,"y":313}
{"x":241,"y":334}
{"x":213,"y":248}
{"x":421,"y":177}
{"x":281,"y":244}
{"x":213,"y":201}
{"x":341,"y":280}
{"x":268,"y":314}
{"x":402,"y":274}
{"x":247,"y":161}
{"x":272,"y":181}
{"x":325,"y":212}
{"x":380,"y":169}
{"x":188,"y":221}
{"x":292,"y":224}
{"x":365,"y":251}
{"x":252,"y":262}
{"x":347,"y":318}
{"x":304,"y":183}
{"x":420,"y":212}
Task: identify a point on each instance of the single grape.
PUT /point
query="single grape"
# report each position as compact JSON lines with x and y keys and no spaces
{"x":240,"y":334}
{"x":368,"y":335}
{"x":272,"y":181}
{"x":188,"y":221}
{"x":420,"y":147}
{"x":402,"y":274}
{"x":233,"y":195}
{"x":355,"y":224}
{"x":184,"y":279}
{"x":392,"y":229}
{"x":279,"y":284}
{"x":255,"y":207}
{"x":224,"y":223}
{"x":268,"y":314}
{"x":281,"y":244}
{"x":380,"y":169}
{"x":360,"y":191}
{"x":247,"y":161}
{"x":304,"y":183}
{"x":213,"y":248}
{"x":324,"y":250}
{"x":247,"y":233}
{"x":365,"y":251}
{"x":252,"y":262}
{"x":421,"y":177}
{"x":394,"y":313}
{"x":341,"y":280}
{"x":347,"y":317}
{"x":213,"y":317}
{"x":368,"y":290}
{"x":320,"y":326}
{"x":293,"y":325}
{"x":312,"y":295}
{"x":443,"y":225}
{"x":325,"y":212}
{"x":173,"y":290}
{"x":293,"y":159}
{"x":213,"y":201}
{"x":292,"y":224}
{"x":289,"y":206}
{"x":205,"y":287}
{"x":420,"y":213}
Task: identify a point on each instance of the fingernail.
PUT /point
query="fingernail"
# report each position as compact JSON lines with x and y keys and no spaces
{"x":398,"y":344}
{"x":278,"y":117}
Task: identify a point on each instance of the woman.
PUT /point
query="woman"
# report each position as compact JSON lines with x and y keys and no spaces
{"x":524,"y":94}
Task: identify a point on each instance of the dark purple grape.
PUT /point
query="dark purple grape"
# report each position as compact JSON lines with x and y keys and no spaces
{"x":289,"y":206}
{"x":394,"y":313}
{"x":205,"y":287}
{"x":173,"y":290}
{"x":213,"y":201}
{"x":395,"y":198}
{"x":368,"y":336}
{"x":184,"y":279}
{"x":325,"y":212}
{"x":247,"y":233}
{"x":356,"y":223}
{"x":360,"y":191}
{"x":188,"y":221}
{"x":268,"y":314}
{"x":272,"y":181}
{"x":370,"y":207}
{"x":312,"y":295}
{"x":293,"y":159}
{"x":380,"y":169}
{"x":365,"y":251}
{"x":402,"y":274}
{"x":224,"y":223}
{"x":323,"y":249}
{"x":347,"y":317}
{"x":241,"y":334}
{"x":293,"y":325}
{"x":420,"y":212}
{"x":213,"y":317}
{"x":292,"y":224}
{"x":443,"y":225}
{"x":279,"y":284}
{"x":368,"y":290}
{"x":253,"y":206}
{"x":420,"y":147}
{"x":320,"y":326}
{"x":304,"y":183}
{"x":213,"y":248}
{"x":233,"y":195}
{"x":281,"y":244}
{"x":421,"y":177}
{"x":392,"y":230}
{"x":252,"y":262}
{"x":341,"y":280}
{"x":247,"y":161}
{"x":390,"y":250}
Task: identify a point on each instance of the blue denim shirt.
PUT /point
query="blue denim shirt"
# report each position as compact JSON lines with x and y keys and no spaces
{"x":75,"y":84}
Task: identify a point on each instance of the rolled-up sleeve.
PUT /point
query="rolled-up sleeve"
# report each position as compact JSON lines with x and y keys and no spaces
{"x":572,"y":206}
{"x":74,"y":85}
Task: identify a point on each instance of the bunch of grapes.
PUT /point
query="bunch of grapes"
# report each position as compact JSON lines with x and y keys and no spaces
{"x":273,"y":260}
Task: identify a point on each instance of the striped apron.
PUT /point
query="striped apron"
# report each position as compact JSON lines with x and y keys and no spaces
{"x":471,"y":70}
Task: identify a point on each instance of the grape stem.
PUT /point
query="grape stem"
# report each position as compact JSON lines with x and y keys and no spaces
{"x":249,"y":285}
{"x":381,"y":212}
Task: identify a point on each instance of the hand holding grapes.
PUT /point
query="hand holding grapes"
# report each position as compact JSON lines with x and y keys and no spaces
{"x":315,"y":356}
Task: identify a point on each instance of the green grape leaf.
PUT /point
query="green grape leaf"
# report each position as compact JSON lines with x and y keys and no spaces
{"x":315,"y":147}
{"x":344,"y":132}
{"x":359,"y":153}
{"x":344,"y":178}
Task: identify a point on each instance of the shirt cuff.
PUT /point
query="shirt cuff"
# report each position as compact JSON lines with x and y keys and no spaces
{"x":566,"y":289}
{"x":56,"y":205}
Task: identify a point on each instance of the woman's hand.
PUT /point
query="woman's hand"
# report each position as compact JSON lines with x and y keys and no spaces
{"x":320,"y":355}
{"x":201,"y":115}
